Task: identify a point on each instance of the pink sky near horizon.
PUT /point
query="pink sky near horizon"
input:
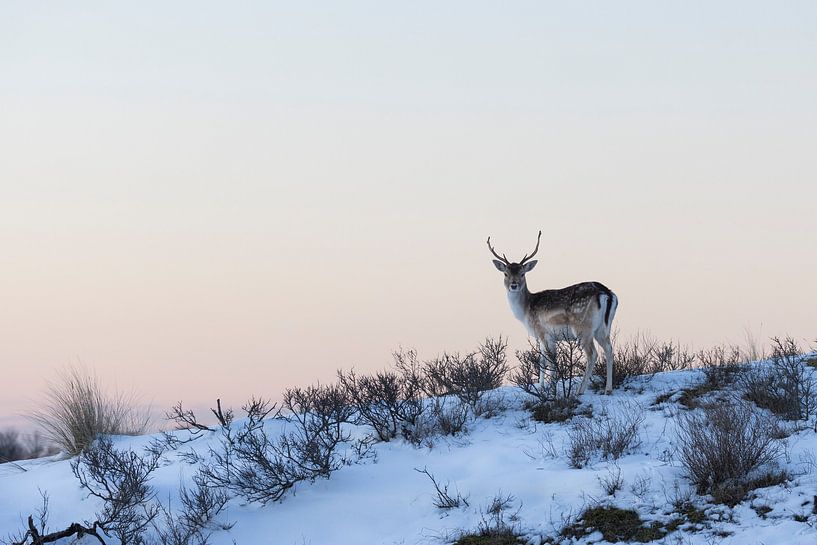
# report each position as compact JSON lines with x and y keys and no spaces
{"x":224,"y":202}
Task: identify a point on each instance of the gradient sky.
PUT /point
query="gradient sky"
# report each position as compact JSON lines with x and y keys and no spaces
{"x":205,"y":200}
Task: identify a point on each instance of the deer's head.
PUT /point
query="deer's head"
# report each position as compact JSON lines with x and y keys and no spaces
{"x":515,"y":272}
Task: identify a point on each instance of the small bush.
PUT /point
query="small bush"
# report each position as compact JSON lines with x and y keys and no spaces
{"x":261,"y":469}
{"x":130,"y":513}
{"x":608,"y":435}
{"x":612,"y":482}
{"x":470,"y":376}
{"x":783,"y":385}
{"x":195,"y":522}
{"x":14,"y":446}
{"x":568,"y":363}
{"x":78,"y":409}
{"x":498,"y":524}
{"x":444,"y":499}
{"x":121,"y":480}
{"x":643,"y":355}
{"x":721,"y":365}
{"x":725,"y":443}
{"x":389,"y":402}
{"x":11,"y":447}
{"x":444,"y":416}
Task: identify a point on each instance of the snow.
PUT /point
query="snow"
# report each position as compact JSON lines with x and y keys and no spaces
{"x":385,"y":501}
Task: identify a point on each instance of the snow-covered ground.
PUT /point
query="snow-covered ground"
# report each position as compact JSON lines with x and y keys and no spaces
{"x":385,"y":501}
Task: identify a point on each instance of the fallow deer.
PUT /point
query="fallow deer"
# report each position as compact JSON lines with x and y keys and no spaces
{"x":582,"y":312}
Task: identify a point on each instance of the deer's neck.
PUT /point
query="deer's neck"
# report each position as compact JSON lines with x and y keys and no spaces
{"x":519,"y":303}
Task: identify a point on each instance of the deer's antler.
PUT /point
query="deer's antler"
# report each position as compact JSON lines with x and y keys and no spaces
{"x":534,"y":250}
{"x":502,"y":258}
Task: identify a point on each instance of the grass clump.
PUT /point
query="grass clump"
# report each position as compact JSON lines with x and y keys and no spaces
{"x":615,"y":525}
{"x":77,"y":409}
{"x":608,"y":435}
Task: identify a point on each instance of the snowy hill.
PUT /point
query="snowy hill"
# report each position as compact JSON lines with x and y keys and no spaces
{"x":382,"y":498}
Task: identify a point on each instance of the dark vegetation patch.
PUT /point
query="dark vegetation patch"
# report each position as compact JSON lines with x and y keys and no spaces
{"x":686,"y":513}
{"x":762,"y":510}
{"x":734,"y":491}
{"x":501,"y":537}
{"x":691,"y":397}
{"x":558,"y":410}
{"x":663,"y":398}
{"x":615,"y":525}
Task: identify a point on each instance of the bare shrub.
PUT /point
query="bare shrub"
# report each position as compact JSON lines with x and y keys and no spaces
{"x":641,"y":486}
{"x":608,"y":435}
{"x":443,"y":416}
{"x":130,"y":514}
{"x":671,"y":356}
{"x":121,"y":480}
{"x":569,"y":363}
{"x":12,"y":447}
{"x":78,"y":409}
{"x":526,"y":375}
{"x":15,"y":446}
{"x":468,"y":377}
{"x":195,"y":522}
{"x":261,"y":469}
{"x":498,"y":524}
{"x":643,"y":355}
{"x":185,"y":419}
{"x":612,"y":482}
{"x":782,"y":385}
{"x":498,"y":521}
{"x":449,"y":418}
{"x":444,"y":499}
{"x":721,"y":365}
{"x":319,"y":413}
{"x":726,"y":442}
{"x":39,"y":534}
{"x":389,"y":402}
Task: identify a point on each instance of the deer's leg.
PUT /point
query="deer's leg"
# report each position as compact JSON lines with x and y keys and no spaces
{"x":549,"y":352}
{"x":590,"y":354}
{"x":607,"y":345}
{"x":543,"y":363}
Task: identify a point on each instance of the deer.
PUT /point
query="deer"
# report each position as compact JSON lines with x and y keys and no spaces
{"x":582,"y":312}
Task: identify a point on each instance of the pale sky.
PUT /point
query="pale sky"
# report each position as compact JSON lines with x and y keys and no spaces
{"x":202,"y":200}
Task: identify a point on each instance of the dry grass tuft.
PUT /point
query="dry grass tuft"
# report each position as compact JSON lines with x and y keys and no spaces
{"x":77,"y":409}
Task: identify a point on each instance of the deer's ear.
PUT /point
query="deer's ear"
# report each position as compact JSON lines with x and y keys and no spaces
{"x":528,"y":267}
{"x":500,"y":266}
